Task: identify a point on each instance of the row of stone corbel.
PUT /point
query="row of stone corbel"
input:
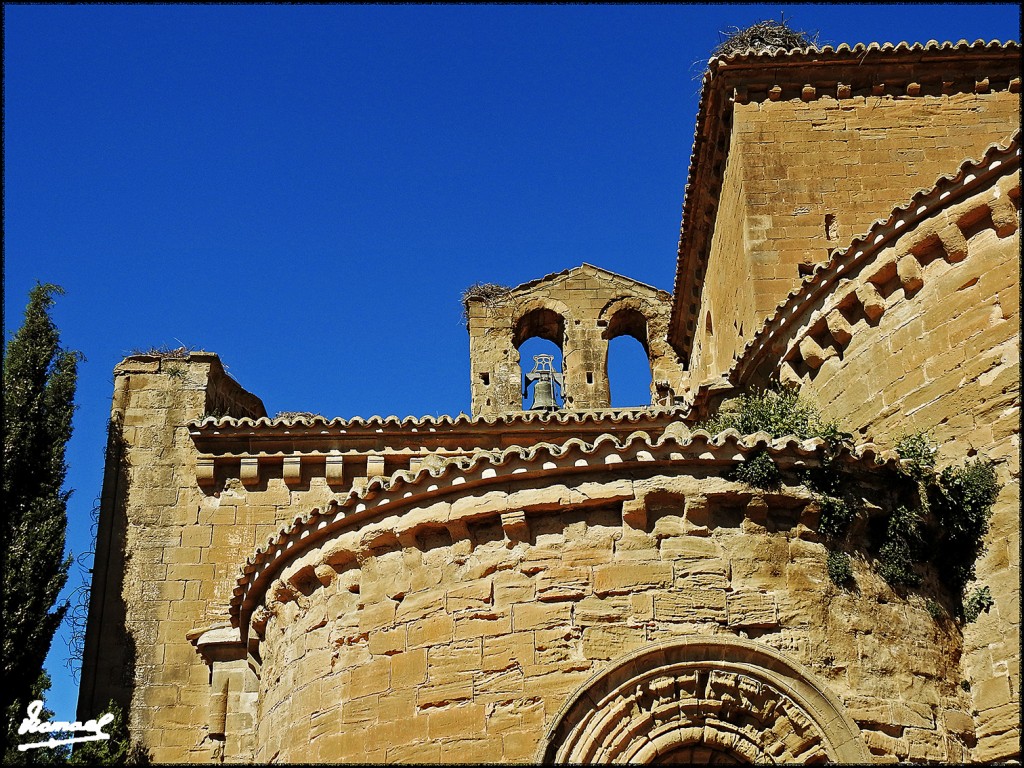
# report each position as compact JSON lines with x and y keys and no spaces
{"x":809,"y":92}
{"x":329,"y":466}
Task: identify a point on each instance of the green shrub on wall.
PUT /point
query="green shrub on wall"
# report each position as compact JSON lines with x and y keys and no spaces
{"x":760,"y":472}
{"x":979,"y":601}
{"x":961,"y":500}
{"x":779,"y":412}
{"x":839,"y":569}
{"x":902,"y":548}
{"x":943,"y":521}
{"x":954,"y":509}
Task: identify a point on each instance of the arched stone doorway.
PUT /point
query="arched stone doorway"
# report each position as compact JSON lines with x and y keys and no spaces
{"x":703,"y":700}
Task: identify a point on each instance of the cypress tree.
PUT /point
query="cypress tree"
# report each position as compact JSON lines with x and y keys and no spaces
{"x":39,"y":378}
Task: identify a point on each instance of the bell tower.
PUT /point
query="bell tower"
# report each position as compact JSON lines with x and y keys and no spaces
{"x":580,"y":310}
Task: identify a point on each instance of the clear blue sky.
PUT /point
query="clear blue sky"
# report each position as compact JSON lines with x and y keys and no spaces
{"x":306,"y":190}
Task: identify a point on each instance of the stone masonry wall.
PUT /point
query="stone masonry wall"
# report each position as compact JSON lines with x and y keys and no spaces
{"x":945,"y":357}
{"x":164,"y":553}
{"x":727,"y":312}
{"x":454,"y":650}
{"x":818,"y":173}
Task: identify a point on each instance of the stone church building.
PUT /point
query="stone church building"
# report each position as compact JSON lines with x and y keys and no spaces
{"x":591,"y":584}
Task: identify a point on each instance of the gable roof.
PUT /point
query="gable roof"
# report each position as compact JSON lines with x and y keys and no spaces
{"x":592,"y":271}
{"x":811,"y":72}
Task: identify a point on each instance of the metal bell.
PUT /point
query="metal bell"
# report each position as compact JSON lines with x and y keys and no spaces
{"x":544,"y":390}
{"x":544,"y":396}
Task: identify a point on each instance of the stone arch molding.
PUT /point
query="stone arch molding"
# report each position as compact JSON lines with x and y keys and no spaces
{"x":742,"y":700}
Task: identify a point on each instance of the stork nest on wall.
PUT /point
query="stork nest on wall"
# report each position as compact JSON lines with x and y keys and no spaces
{"x":767,"y":36}
{"x":164,"y":352}
{"x":489,"y":293}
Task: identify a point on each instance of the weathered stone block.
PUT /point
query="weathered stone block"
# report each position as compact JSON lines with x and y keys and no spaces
{"x":909,"y":713}
{"x":387,"y":641}
{"x":989,"y":694}
{"x":622,"y":578}
{"x":377,"y":615}
{"x":958,"y":722}
{"x":610,"y":642}
{"x":482,"y":623}
{"x":691,"y":605}
{"x":497,"y":683}
{"x":752,"y":609}
{"x":372,"y":677}
{"x":474,"y":594}
{"x":436,"y":694}
{"x":594,"y":610}
{"x":881,"y":744}
{"x":409,"y":667}
{"x":457,"y":720}
{"x":529,"y":616}
{"x":925,"y":745}
{"x":1000,"y":719}
{"x":702,"y":574}
{"x":507,"y":650}
{"x":431,"y":630}
{"x":450,"y":661}
{"x":563,"y":583}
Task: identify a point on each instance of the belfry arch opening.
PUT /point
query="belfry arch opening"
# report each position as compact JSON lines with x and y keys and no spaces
{"x":540,"y":331}
{"x":629,"y":361}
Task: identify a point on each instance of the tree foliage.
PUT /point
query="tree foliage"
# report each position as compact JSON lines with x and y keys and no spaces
{"x":119,"y":749}
{"x":38,"y":402}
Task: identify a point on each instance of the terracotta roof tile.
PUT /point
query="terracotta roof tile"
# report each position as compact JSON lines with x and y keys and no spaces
{"x":616,"y":416}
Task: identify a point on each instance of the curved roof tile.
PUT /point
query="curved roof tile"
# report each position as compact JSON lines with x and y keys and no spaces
{"x":615,"y":416}
{"x":860,"y":48}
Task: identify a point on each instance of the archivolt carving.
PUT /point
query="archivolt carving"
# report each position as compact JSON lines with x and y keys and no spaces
{"x":729,"y":698}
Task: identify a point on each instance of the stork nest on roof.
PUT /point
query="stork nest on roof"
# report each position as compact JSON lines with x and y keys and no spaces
{"x":296,"y":415}
{"x":767,"y":36}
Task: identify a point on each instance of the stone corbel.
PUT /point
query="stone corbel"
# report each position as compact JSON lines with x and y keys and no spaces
{"x":515,"y":526}
{"x":205,"y":471}
{"x":634,"y":514}
{"x":220,"y":643}
{"x":292,"y":470}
